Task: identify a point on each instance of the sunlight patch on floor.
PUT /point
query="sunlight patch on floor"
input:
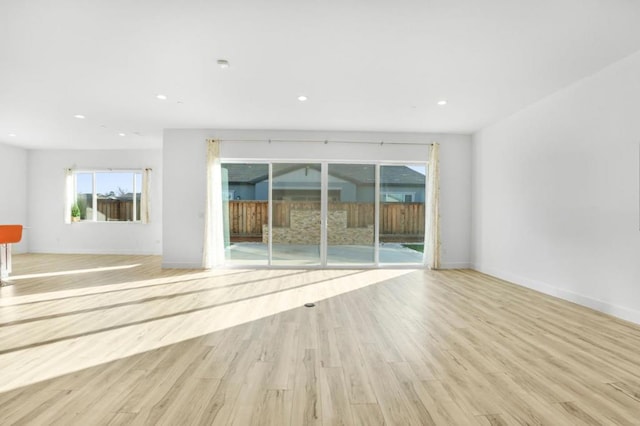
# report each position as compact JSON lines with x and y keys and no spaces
{"x":73,"y":272}
{"x":8,"y":300}
{"x":155,"y":318}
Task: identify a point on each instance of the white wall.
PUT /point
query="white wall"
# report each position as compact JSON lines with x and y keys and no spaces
{"x":184,"y":153}
{"x":556,"y":193}
{"x":49,"y":233}
{"x":13,"y":191}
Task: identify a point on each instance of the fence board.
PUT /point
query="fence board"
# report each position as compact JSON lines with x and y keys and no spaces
{"x":117,"y":210}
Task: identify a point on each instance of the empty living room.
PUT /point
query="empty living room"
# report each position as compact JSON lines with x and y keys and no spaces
{"x":320,"y":213}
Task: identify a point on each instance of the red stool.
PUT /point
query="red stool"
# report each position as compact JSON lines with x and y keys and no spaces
{"x":9,"y":234}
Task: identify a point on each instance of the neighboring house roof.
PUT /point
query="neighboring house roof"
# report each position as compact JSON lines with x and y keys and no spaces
{"x":121,"y":197}
{"x":242,"y":173}
{"x":246,"y":173}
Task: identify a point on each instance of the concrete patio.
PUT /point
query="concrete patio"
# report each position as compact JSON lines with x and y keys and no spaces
{"x":254,"y":253}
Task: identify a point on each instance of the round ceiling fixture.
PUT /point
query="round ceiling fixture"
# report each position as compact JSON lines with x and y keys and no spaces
{"x":302,"y":98}
{"x":79,"y":116}
{"x":122,"y":134}
{"x":223,"y":63}
{"x":442,"y":102}
{"x":161,"y":97}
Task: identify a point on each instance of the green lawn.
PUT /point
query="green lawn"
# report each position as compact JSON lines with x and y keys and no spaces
{"x":416,"y":247}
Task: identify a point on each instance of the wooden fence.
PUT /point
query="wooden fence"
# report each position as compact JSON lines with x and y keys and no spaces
{"x":247,"y":217}
{"x":399,"y":219}
{"x":396,"y":219}
{"x":117,"y":210}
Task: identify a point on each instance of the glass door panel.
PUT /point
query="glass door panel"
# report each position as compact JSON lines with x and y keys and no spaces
{"x":402,"y":213}
{"x":245,"y":203}
{"x":351,"y":214}
{"x":296,"y":208}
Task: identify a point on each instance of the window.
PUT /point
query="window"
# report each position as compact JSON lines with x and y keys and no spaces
{"x":321,"y":214}
{"x":107,"y":196}
{"x":397,"y":197}
{"x":228,"y":194}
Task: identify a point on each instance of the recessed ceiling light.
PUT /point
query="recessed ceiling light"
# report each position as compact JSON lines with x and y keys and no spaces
{"x":223,"y":63}
{"x":442,"y":102}
{"x":13,"y":135}
{"x":302,"y":98}
{"x":122,"y":134}
{"x":79,"y":116}
{"x":162,"y":97}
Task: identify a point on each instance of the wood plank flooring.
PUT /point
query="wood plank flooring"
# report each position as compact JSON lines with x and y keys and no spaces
{"x":116,"y":340}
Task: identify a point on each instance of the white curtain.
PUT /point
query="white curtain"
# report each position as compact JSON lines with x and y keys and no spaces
{"x":145,"y":198}
{"x":432,"y":216}
{"x":68,"y":195}
{"x":213,"y":253}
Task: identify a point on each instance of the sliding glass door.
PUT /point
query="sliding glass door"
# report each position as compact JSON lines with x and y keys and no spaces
{"x":323,"y":214}
{"x":351,"y":190}
{"x":245,"y":202}
{"x":402,"y":213}
{"x":296,"y":214}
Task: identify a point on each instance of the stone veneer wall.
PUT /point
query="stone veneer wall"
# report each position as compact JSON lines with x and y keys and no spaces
{"x":305,"y":229}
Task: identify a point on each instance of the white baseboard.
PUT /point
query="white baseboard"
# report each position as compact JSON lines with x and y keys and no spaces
{"x":96,"y":251}
{"x":179,"y":265}
{"x":455,"y":265}
{"x":617,"y":311}
{"x":189,"y":265}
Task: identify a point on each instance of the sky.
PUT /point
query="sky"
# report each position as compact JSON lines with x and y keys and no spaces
{"x":420,"y":169}
{"x":107,"y":182}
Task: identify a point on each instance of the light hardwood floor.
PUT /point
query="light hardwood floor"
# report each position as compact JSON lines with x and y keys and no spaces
{"x":92,"y":340}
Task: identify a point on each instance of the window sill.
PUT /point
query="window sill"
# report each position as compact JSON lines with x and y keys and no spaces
{"x":110,"y":222}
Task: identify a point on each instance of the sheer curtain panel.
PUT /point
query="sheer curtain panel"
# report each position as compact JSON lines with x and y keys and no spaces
{"x":145,"y":197}
{"x":68,"y":195}
{"x":432,"y":217}
{"x":213,"y":252}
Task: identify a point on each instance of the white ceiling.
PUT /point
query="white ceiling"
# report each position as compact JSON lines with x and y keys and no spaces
{"x":364,"y":64}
